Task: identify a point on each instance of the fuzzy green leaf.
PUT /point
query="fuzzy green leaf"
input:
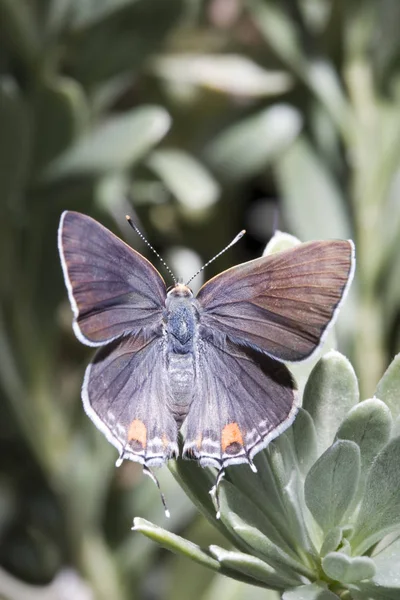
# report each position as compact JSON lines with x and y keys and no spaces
{"x":15,"y":142}
{"x":192,"y":185}
{"x":60,"y":113}
{"x":331,"y":391}
{"x":331,"y":541}
{"x":346,"y":569}
{"x":332,"y":482}
{"x":312,"y":200}
{"x":136,"y":29}
{"x":253,"y":567}
{"x":254,"y":533}
{"x":305,"y":440}
{"x":175,"y":543}
{"x":226,"y":73}
{"x":248,"y":147}
{"x":387,"y":566}
{"x":115,"y":144}
{"x":388,"y":389}
{"x":280,"y":241}
{"x":368,"y":424}
{"x":312,"y":591}
{"x":379,"y":512}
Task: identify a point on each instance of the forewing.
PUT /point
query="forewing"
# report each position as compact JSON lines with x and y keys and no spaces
{"x":282,"y":303}
{"x":126,"y":394}
{"x":243,"y":399}
{"x":112,"y":289}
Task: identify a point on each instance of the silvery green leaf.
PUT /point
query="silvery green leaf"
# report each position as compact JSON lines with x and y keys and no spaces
{"x":379,"y":511}
{"x":313,"y":591}
{"x":60,"y":111}
{"x":246,"y":148}
{"x":284,"y":465}
{"x":191,"y":184}
{"x":259,"y":486}
{"x":331,"y":391}
{"x":387,"y":566}
{"x":283,"y":35}
{"x":115,"y":144}
{"x":332,"y":482}
{"x":85,"y":14}
{"x":19,"y":31}
{"x":229,"y":589}
{"x":305,"y":440}
{"x":347,"y":569}
{"x":226,"y":73}
{"x":331,"y":541}
{"x":368,"y":591}
{"x":312,"y":200}
{"x":368,"y":424}
{"x":253,"y":567}
{"x":137,"y":29}
{"x":280,"y":241}
{"x":175,"y":543}
{"x":388,"y":389}
{"x":254,"y":533}
{"x":197,"y":483}
{"x":15,"y":141}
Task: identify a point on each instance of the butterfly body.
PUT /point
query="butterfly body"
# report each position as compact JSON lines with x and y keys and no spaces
{"x":181,"y":318}
{"x":211,"y":366}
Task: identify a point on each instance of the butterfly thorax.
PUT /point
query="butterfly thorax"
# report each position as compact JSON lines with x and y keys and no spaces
{"x":180,"y":326}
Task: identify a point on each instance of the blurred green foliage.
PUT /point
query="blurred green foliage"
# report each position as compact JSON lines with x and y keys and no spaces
{"x":212,"y":115}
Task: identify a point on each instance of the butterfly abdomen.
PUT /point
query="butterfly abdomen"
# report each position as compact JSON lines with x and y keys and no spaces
{"x":180,"y":320}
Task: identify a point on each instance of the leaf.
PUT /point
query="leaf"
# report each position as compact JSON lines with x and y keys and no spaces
{"x":388,"y":389}
{"x":175,"y":543}
{"x":346,"y":569}
{"x":114,"y":144}
{"x":227,"y":73}
{"x":305,"y":440}
{"x":253,"y":567}
{"x":60,"y":113}
{"x":280,"y":241}
{"x":312,"y":591}
{"x":368,"y":424}
{"x":287,"y":475}
{"x":136,"y":30}
{"x":284,"y":36}
{"x":387,"y":566}
{"x":192,"y":185}
{"x":379,"y":511}
{"x":254,"y":533}
{"x":197,"y":483}
{"x":18,"y":29}
{"x":331,"y":391}
{"x":246,"y":148}
{"x":85,"y":14}
{"x":331,"y":541}
{"x":15,"y":142}
{"x":313,"y":203}
{"x":332,"y":482}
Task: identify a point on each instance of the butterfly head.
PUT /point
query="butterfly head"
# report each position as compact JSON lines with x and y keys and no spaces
{"x":180,"y":290}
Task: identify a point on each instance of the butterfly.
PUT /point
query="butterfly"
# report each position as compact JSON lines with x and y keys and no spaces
{"x":209,"y":366}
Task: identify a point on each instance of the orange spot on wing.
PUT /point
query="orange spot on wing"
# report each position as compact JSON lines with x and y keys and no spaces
{"x":137,"y":432}
{"x":231,"y":434}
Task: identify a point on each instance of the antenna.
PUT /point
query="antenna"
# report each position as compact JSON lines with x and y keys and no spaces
{"x":140,"y":234}
{"x":236,"y":239}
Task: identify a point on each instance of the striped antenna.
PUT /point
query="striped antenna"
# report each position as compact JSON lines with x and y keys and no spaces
{"x":140,"y":234}
{"x":232,"y":243}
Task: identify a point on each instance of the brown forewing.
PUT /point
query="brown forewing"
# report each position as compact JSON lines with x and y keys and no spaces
{"x":112,"y":288}
{"x":281,"y":303}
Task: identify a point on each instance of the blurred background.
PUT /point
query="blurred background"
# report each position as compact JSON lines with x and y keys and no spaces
{"x":210,"y":116}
